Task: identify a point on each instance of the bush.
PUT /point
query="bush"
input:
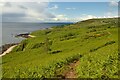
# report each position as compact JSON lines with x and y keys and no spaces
{"x":21,"y":46}
{"x":55,"y":51}
{"x":67,"y":36}
{"x":37,"y":45}
{"x":108,"y":43}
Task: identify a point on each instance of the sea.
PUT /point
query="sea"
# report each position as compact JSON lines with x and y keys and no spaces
{"x":10,"y":29}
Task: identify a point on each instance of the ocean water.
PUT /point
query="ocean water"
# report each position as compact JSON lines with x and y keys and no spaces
{"x":10,"y":29}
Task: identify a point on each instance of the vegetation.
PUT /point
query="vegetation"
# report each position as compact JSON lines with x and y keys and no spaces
{"x":94,"y":43}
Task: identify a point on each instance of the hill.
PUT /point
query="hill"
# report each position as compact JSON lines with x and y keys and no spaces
{"x":89,"y":49}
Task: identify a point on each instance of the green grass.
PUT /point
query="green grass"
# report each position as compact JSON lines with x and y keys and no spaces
{"x":93,"y":42}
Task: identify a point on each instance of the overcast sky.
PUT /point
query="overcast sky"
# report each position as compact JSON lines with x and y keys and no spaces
{"x":56,"y":11}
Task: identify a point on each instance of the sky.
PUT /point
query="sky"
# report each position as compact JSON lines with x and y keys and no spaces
{"x":56,"y":11}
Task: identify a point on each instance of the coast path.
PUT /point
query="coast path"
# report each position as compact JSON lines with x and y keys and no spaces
{"x":71,"y":73}
{"x":8,"y":50}
{"x":31,"y":36}
{"x":11,"y":48}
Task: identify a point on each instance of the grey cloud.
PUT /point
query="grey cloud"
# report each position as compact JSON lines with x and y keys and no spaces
{"x":19,"y":19}
{"x":11,"y":19}
{"x":50,"y":15}
{"x":8,"y":4}
{"x":23,"y":7}
{"x":21,"y":12}
{"x":11,"y":15}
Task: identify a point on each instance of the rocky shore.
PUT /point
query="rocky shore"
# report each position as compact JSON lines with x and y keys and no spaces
{"x":25,"y":35}
{"x":3,"y":48}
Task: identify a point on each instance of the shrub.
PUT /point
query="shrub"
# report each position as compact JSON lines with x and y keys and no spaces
{"x":55,"y":51}
{"x":108,"y":43}
{"x":37,"y":45}
{"x":67,"y":36}
{"x":47,"y":32}
{"x":21,"y":46}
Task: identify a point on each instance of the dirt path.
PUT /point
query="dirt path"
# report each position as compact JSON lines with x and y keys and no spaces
{"x":71,"y":73}
{"x":31,"y":36}
{"x":8,"y":50}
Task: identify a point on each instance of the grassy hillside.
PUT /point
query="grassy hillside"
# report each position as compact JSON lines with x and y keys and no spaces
{"x":94,"y":43}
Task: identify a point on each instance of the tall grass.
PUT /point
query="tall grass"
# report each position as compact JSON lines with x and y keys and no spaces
{"x":93,"y":42}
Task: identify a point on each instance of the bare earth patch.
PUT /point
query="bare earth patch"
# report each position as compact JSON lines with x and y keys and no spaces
{"x":71,"y":73}
{"x":31,"y":36}
{"x":8,"y":50}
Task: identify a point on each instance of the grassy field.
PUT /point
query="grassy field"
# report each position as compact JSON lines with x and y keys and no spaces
{"x":94,"y":43}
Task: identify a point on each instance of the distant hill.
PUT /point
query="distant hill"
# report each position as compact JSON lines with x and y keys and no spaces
{"x":92,"y":43}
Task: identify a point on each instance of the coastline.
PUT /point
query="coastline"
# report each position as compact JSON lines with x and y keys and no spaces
{"x":7,"y":48}
{"x":25,"y":35}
